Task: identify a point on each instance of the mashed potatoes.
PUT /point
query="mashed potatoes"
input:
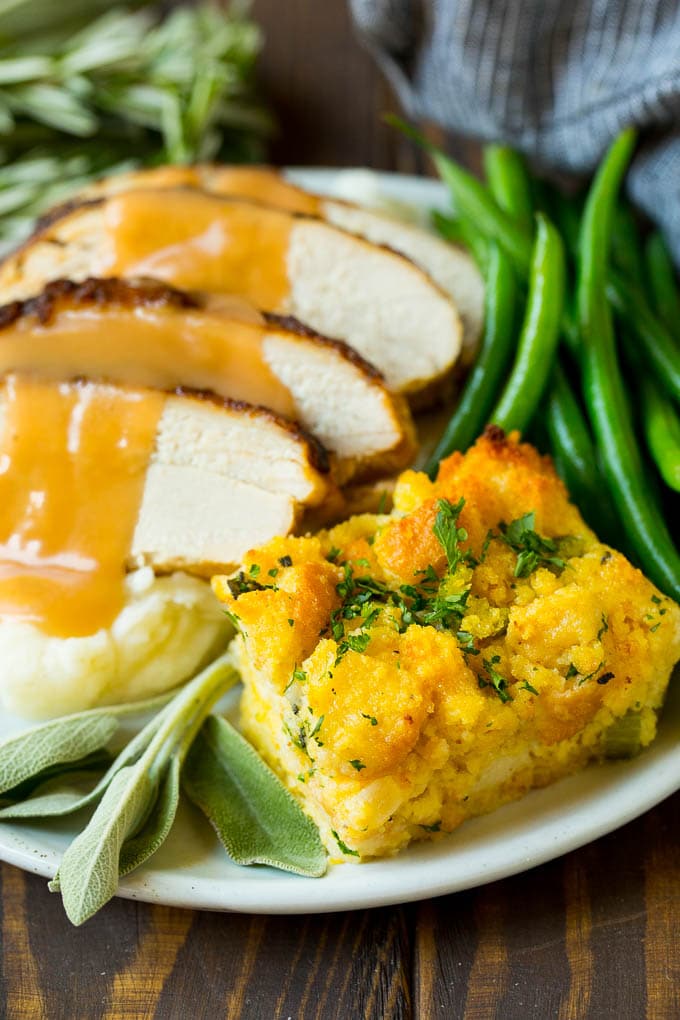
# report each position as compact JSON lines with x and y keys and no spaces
{"x":168,"y":628}
{"x":405,"y":672}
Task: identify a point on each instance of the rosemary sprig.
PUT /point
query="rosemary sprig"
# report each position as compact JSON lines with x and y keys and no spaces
{"x":109,"y":91}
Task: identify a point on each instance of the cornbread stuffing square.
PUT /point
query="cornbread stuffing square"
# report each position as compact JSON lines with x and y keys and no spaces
{"x":404,"y":672}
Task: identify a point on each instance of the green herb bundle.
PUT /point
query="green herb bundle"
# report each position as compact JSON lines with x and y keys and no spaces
{"x":108,"y":90}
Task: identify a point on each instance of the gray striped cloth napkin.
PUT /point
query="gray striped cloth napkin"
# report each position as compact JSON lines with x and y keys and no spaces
{"x":554,"y":78}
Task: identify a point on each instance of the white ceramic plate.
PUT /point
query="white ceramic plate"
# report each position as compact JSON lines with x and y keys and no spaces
{"x":192,"y":869}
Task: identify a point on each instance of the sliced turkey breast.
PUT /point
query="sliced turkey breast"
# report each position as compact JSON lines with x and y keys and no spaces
{"x":375,"y":299}
{"x":149,"y":334}
{"x":223,"y":473}
{"x":220,"y":478}
{"x":449,"y":266}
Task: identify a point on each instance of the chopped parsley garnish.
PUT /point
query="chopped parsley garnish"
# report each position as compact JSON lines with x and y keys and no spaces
{"x":356,"y":764}
{"x":299,"y":735}
{"x":285,"y":561}
{"x":254,"y":569}
{"x":446,"y":609}
{"x":485,"y":545}
{"x":604,"y":628}
{"x":467,"y":642}
{"x":526,"y":686}
{"x":429,"y":574}
{"x":291,"y":623}
{"x":571,"y":672}
{"x":656,"y":600}
{"x":273,"y":572}
{"x":432,"y":601}
{"x":343,"y":846}
{"x":317,"y":727}
{"x":240,"y":583}
{"x":591,"y":675}
{"x":448,"y":534}
{"x":354,"y":642}
{"x":371,"y":718}
{"x":435,"y":827}
{"x":496,"y":680}
{"x":299,"y":675}
{"x":533,"y":550}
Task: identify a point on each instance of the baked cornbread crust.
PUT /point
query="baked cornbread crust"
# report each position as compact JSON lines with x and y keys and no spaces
{"x":390,"y":728}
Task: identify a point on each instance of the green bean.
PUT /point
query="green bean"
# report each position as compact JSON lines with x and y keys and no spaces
{"x":656,"y":343}
{"x":509,"y":183}
{"x":662,"y":282}
{"x":574,"y":454}
{"x":661,"y":425}
{"x":472,"y":200}
{"x":603,"y":384}
{"x":481,"y":388}
{"x":570,"y":436}
{"x":627,"y":244}
{"x":461,"y":232}
{"x":566,"y":212}
{"x":540,"y":331}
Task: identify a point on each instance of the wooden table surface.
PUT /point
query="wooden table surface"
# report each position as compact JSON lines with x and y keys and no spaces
{"x":592,"y":935}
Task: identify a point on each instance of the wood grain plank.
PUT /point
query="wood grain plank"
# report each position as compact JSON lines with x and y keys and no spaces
{"x":22,"y":995}
{"x":615,"y":869}
{"x":489,"y":971}
{"x":316,"y":967}
{"x":76,"y":967}
{"x":135,"y":988}
{"x":662,"y":922}
{"x":578,"y":921}
{"x":535,"y":937}
{"x":445,"y":946}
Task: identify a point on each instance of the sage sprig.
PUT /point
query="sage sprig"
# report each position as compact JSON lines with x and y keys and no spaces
{"x":60,"y":742}
{"x":65,"y":766}
{"x":89,"y":870}
{"x":61,"y":794}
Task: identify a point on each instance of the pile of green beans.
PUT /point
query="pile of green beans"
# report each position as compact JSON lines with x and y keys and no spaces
{"x":581,"y":342}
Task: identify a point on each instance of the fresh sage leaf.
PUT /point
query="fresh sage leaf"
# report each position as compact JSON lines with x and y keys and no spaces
{"x":31,"y":757}
{"x":88,"y":873}
{"x":155,"y":830}
{"x":65,"y":740}
{"x":60,"y":795}
{"x":255,"y":817}
{"x":97,"y":761}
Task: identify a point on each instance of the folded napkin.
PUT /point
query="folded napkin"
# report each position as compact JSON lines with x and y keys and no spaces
{"x":555,"y":78}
